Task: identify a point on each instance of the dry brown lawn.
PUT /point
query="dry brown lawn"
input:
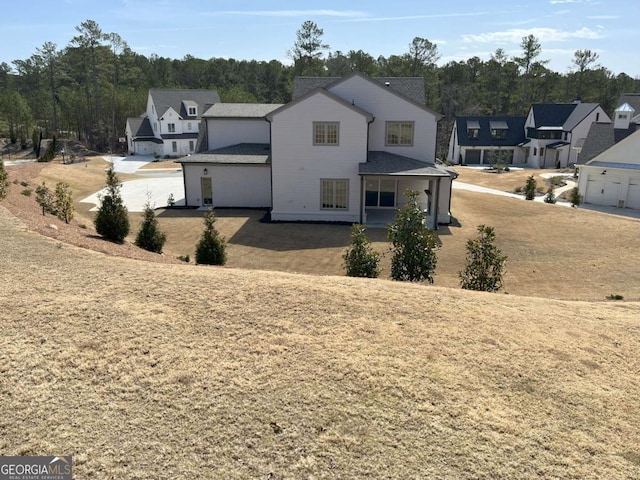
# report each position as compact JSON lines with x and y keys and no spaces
{"x":505,"y":181}
{"x":554,"y":252}
{"x":144,"y":371}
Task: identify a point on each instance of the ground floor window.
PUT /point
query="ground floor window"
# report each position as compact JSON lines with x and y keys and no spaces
{"x":381,"y":192}
{"x":191,"y":145}
{"x":174,"y":147}
{"x":334,"y":194}
{"x":207,"y":190}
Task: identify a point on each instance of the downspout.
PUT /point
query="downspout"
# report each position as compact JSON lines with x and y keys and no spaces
{"x":362,"y":186}
{"x":436,"y":204}
{"x":184,"y":182}
{"x":270,"y":166}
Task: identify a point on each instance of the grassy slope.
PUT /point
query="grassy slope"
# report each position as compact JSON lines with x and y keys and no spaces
{"x":160,"y":371}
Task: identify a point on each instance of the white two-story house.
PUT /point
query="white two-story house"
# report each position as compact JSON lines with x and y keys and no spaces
{"x":169,"y":126}
{"x":343,"y":150}
{"x":550,"y":136}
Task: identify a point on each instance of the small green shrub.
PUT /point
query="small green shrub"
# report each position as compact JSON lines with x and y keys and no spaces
{"x":557,"y":181}
{"x":4,"y":181}
{"x":211,"y":249}
{"x":530,"y":188}
{"x":83,"y":226}
{"x":45,"y":199}
{"x":24,"y":183}
{"x":485,"y":266}
{"x":574,"y":197}
{"x":150,"y":237}
{"x":550,"y":197}
{"x":615,"y":296}
{"x":27,"y":192}
{"x":360,"y":260}
{"x":184,"y":258}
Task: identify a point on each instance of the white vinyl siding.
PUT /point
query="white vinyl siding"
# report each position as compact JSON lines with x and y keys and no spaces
{"x":335,"y":194}
{"x":399,"y":133}
{"x":326,"y":133}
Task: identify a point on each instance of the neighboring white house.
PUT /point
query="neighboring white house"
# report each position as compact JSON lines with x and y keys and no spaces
{"x":610,"y":175}
{"x":552,"y":136}
{"x":169,"y":126}
{"x":343,"y":150}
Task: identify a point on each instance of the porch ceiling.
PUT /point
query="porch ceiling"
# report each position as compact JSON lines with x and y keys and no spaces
{"x":385,"y":163}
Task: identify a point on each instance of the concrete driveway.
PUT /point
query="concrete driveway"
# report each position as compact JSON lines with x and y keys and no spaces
{"x":155,"y":187}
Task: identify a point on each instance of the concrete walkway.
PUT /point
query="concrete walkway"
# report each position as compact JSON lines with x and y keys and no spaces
{"x":155,"y":186}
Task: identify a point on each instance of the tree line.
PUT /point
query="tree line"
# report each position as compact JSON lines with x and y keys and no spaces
{"x":87,"y":89}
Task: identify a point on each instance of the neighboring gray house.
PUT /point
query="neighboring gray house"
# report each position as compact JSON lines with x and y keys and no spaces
{"x":344,"y":149}
{"x":169,"y":126}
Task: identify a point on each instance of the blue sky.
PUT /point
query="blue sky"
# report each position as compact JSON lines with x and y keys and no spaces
{"x":264,"y":30}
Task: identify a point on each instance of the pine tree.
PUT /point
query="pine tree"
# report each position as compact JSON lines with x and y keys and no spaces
{"x":360,"y":259}
{"x":211,"y":249}
{"x":413,"y":244}
{"x":485,"y":263}
{"x":45,"y":199}
{"x":63,"y":204}
{"x":530,"y":188}
{"x":149,"y":236}
{"x":4,"y":181}
{"x":112,"y":219}
{"x":574,"y":197}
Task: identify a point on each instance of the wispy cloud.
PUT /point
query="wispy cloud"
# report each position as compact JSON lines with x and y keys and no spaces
{"x":603,"y":17}
{"x":515,"y":35}
{"x":417,"y":17}
{"x":294,"y":13}
{"x":560,"y":2}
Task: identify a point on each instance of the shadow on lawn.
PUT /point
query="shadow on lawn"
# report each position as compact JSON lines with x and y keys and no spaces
{"x":281,"y":236}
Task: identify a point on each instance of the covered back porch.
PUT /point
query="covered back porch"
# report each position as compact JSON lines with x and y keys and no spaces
{"x":384,"y":179}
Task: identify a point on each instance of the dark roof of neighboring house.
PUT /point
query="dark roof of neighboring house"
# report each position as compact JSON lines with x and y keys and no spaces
{"x":240,"y":154}
{"x":515,"y":131}
{"x":175,"y":98}
{"x":601,"y":137}
{"x":565,"y":115}
{"x":411,"y":87}
{"x":181,"y":136}
{"x":385,"y":163}
{"x":240,"y":110}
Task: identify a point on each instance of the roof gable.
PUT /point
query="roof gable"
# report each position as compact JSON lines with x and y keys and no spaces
{"x":551,"y":114}
{"x":622,"y":152}
{"x":320,"y":91}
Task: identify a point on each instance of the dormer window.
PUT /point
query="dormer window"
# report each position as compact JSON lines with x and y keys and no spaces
{"x":473,"y":129}
{"x":622,"y":116}
{"x":193,"y":111}
{"x":499,"y":129}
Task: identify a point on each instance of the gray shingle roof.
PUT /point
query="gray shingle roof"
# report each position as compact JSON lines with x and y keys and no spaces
{"x":326,"y":93}
{"x":140,"y":127}
{"x":240,"y":154}
{"x":601,"y":137}
{"x":579,"y":113}
{"x":385,"y":163}
{"x":411,"y":87}
{"x":174,"y":98}
{"x":241,"y":110}
{"x":632,"y":99}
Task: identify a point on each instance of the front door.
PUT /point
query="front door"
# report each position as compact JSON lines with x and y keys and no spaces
{"x":207,"y":191}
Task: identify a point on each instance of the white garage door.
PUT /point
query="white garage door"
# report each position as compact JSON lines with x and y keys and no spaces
{"x":633,"y":195}
{"x":603,"y":190}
